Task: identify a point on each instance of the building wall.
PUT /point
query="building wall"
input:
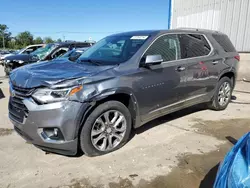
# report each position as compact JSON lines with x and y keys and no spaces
{"x":229,"y":16}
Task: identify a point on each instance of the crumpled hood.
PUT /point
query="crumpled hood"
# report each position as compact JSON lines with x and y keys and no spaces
{"x":23,"y":57}
{"x":53,"y":72}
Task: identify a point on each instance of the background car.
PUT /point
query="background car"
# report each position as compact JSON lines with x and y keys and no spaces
{"x":27,"y":50}
{"x":74,"y":54}
{"x":46,"y":53}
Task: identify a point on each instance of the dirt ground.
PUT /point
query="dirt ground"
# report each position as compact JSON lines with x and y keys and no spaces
{"x":179,"y":150}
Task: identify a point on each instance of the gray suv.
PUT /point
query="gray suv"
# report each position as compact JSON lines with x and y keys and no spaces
{"x":120,"y":83}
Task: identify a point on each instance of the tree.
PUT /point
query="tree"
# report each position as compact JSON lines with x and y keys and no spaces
{"x":48,"y":40}
{"x":59,"y":40}
{"x":5,"y":36}
{"x":24,"y":39}
{"x":38,"y":40}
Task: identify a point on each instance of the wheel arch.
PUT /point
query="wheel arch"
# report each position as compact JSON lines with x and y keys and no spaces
{"x":124,"y":96}
{"x":231,"y":75}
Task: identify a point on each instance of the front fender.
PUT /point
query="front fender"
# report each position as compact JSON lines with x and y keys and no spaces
{"x":115,"y":91}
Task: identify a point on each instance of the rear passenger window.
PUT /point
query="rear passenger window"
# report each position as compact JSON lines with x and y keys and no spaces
{"x":225,"y":42}
{"x":167,"y":46}
{"x":193,"y":45}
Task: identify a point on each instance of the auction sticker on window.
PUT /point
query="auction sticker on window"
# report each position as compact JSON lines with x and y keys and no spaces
{"x":139,"y":37}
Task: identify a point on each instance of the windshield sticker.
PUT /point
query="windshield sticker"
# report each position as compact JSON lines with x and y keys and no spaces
{"x":139,"y":37}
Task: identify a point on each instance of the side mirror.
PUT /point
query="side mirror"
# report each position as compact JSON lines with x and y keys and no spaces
{"x":153,"y":59}
{"x":72,"y":58}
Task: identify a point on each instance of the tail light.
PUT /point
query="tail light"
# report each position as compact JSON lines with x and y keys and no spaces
{"x":237,"y":57}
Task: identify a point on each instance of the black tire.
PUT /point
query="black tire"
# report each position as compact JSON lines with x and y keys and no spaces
{"x":85,"y":137}
{"x":214,"y":104}
{"x":7,"y":70}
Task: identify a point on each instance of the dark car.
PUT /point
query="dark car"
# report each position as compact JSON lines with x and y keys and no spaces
{"x":73,"y":55}
{"x":120,"y":83}
{"x":45,"y":53}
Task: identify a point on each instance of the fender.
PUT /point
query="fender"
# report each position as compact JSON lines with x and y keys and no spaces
{"x":124,"y":90}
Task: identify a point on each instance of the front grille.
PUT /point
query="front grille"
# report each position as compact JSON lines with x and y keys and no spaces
{"x":17,"y":110}
{"x":22,"y":92}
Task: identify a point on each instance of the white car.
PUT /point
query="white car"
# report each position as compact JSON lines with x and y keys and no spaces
{"x":26,"y":50}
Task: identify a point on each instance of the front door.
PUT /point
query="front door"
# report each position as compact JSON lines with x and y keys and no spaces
{"x":161,"y":84}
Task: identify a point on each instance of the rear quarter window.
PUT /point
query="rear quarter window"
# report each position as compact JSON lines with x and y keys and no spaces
{"x":194,"y":45}
{"x":224,"y":42}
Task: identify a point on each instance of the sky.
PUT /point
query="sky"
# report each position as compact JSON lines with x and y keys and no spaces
{"x":81,"y":19}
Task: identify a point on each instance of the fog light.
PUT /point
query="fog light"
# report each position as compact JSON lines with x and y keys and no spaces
{"x":55,"y":132}
{"x":51,"y":134}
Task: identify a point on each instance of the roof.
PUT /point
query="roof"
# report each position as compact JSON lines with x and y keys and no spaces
{"x":34,"y":45}
{"x":155,"y":32}
{"x":71,"y":42}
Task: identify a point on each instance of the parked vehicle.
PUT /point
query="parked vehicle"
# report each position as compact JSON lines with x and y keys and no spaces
{"x":120,"y":83}
{"x":47,"y":52}
{"x":73,"y":55}
{"x":26,"y":50}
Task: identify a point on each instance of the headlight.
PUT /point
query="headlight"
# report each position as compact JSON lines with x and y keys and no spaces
{"x":6,"y":61}
{"x":49,"y":95}
{"x":20,"y":61}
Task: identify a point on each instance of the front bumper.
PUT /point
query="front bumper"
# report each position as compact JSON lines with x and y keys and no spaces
{"x":65,"y":116}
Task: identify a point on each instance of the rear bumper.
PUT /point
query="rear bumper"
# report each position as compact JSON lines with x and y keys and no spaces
{"x":65,"y":116}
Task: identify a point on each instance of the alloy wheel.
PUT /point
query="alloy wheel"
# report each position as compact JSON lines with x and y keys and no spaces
{"x":108,"y":130}
{"x":224,"y":94}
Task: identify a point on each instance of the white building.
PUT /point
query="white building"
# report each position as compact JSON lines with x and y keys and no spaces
{"x":229,"y":16}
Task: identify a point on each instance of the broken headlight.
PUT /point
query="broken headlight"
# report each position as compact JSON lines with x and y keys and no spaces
{"x":54,"y":95}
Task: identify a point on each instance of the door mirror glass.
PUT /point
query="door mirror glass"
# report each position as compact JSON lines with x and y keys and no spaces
{"x":153,"y":59}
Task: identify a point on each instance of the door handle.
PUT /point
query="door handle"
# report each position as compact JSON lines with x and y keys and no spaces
{"x":215,"y":62}
{"x":180,"y":68}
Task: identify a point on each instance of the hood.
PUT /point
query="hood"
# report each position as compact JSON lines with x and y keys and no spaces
{"x":6,"y":55}
{"x":52,"y":72}
{"x":23,"y":57}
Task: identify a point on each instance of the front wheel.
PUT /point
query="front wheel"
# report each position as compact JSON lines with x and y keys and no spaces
{"x":222,"y":95}
{"x":106,"y":129}
{"x":7,"y":70}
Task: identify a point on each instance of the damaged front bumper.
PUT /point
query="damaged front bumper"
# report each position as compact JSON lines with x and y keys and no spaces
{"x":52,"y":127}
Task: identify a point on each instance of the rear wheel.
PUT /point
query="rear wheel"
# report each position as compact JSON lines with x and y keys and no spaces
{"x":106,"y":129}
{"x":222,"y":95}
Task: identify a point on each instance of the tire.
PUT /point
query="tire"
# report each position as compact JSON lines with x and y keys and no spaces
{"x":215,"y":104}
{"x":7,"y":70}
{"x":89,"y":129}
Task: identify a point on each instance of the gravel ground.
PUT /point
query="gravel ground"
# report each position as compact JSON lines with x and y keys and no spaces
{"x":182,"y":149}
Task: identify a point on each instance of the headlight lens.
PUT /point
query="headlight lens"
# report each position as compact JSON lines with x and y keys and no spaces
{"x":7,"y":61}
{"x":20,"y":61}
{"x":49,"y":95}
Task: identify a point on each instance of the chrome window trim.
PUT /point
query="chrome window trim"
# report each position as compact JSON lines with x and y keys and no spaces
{"x":180,"y":33}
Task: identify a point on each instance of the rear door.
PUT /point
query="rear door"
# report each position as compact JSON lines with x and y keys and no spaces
{"x":201,"y":62}
{"x":161,"y":85}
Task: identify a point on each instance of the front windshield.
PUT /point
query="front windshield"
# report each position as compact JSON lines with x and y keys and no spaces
{"x":43,"y":51}
{"x":113,"y":50}
{"x":21,"y":50}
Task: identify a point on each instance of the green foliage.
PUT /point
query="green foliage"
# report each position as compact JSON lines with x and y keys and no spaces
{"x":21,"y":40}
{"x":24,"y":39}
{"x":59,"y":40}
{"x":38,"y":40}
{"x":6,"y":34}
{"x":48,"y":40}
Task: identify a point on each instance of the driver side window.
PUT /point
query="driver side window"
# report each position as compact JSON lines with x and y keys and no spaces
{"x":168,"y":46}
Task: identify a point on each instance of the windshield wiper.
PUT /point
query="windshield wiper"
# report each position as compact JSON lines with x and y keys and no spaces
{"x":91,"y":61}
